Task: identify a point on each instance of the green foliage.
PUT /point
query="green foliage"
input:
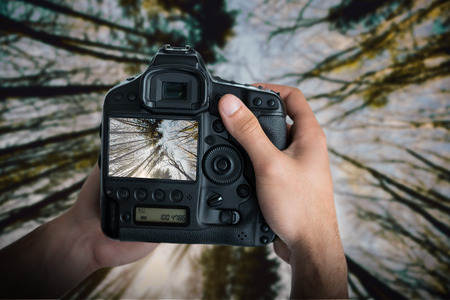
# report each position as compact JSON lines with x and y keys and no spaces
{"x":350,"y":13}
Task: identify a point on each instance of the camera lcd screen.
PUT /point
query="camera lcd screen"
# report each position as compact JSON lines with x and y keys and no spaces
{"x":161,"y":215}
{"x":153,"y":148}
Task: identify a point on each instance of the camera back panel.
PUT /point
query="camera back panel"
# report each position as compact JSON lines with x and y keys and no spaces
{"x":173,"y":173}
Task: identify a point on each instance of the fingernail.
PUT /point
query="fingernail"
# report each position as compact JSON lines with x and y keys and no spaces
{"x":230,"y":104}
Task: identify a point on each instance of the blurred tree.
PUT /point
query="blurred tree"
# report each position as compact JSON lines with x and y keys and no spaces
{"x":390,"y":36}
{"x":238,"y":273}
{"x":379,"y":77}
{"x":209,"y":23}
{"x":381,"y":92}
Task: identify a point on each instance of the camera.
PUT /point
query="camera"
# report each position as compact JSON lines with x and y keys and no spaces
{"x":170,"y":171}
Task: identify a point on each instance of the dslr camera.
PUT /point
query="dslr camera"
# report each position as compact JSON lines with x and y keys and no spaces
{"x":170,"y":171}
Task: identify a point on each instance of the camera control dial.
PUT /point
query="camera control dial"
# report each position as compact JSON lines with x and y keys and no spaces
{"x":222,"y":165}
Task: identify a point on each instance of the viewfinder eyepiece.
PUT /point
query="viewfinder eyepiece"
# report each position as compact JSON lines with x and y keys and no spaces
{"x":174,"y":90}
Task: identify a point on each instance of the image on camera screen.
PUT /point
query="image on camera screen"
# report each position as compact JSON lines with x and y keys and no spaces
{"x":153,"y":148}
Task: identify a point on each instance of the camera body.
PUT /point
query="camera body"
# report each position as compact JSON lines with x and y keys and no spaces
{"x":170,"y":172}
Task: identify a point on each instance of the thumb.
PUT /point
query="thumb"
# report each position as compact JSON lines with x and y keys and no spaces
{"x":242,"y":124}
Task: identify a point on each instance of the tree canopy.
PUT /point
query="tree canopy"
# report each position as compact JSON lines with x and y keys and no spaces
{"x":374,"y":72}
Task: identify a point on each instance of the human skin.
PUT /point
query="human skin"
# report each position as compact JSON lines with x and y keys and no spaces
{"x":59,"y":254}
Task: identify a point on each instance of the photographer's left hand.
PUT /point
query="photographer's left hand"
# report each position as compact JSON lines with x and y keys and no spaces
{"x":59,"y":254}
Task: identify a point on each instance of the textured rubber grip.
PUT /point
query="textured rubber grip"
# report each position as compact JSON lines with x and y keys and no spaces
{"x":275,"y":129}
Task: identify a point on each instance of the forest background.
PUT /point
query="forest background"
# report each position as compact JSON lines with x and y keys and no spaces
{"x":374,"y":72}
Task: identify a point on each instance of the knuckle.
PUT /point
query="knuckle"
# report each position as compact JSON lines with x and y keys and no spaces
{"x":249,"y":126}
{"x":316,"y":142}
{"x":314,"y":134}
{"x":296,"y":93}
{"x":299,"y":94}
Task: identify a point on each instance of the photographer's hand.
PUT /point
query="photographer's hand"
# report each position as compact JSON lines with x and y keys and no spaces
{"x":59,"y":254}
{"x":295,"y":193}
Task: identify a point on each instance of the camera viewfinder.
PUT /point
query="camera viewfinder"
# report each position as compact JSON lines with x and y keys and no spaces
{"x":174,"y":90}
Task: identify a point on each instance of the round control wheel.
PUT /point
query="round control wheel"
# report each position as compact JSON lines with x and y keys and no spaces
{"x":222,"y":165}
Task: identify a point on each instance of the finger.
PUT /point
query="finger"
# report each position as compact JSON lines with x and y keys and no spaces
{"x":88,"y":199}
{"x":305,"y":129}
{"x":242,"y":124}
{"x":281,"y":249}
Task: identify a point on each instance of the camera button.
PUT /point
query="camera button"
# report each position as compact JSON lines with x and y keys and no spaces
{"x":271,"y":103}
{"x":243,"y":191}
{"x":218,"y":126}
{"x":257,"y":101}
{"x":222,"y":165}
{"x":209,"y":140}
{"x":123,"y":194}
{"x":132,"y":96}
{"x":264,"y":240}
{"x":176,"y":196}
{"x":215,"y":200}
{"x":264,"y":228}
{"x":140,"y":194}
{"x":229,"y":217}
{"x":118,"y":96}
{"x":226,"y":217}
{"x":125,"y":217}
{"x":158,"y":195}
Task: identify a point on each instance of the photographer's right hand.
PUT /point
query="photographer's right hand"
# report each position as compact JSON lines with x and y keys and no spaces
{"x":295,"y":193}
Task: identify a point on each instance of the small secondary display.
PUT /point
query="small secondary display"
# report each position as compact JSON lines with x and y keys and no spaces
{"x":161,"y":215}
